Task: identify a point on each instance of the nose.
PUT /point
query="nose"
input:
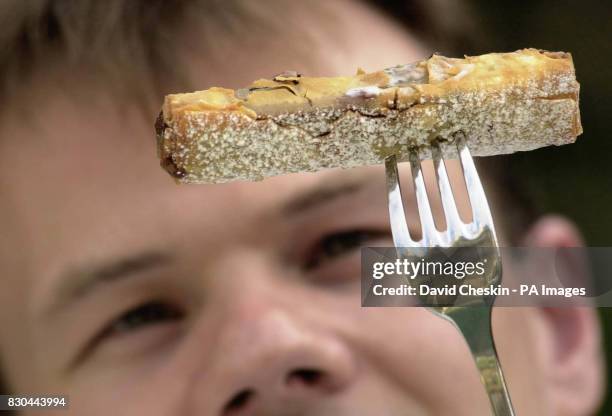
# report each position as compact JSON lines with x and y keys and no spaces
{"x":278,"y":360}
{"x":266,"y":347}
{"x":270,"y":357}
{"x":297,"y":383}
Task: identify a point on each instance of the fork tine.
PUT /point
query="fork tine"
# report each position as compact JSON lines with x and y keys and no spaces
{"x":480,"y":208}
{"x":454,"y":225}
{"x":430,"y":234}
{"x":397,"y":216}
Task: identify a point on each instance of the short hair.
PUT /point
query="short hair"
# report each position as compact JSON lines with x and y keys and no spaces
{"x":446,"y":26}
{"x":133,"y":43}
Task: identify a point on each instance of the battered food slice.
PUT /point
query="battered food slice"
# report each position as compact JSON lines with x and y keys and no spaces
{"x":500,"y":102}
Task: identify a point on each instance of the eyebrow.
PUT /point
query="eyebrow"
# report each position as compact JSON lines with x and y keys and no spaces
{"x":79,"y":282}
{"x":320,"y":194}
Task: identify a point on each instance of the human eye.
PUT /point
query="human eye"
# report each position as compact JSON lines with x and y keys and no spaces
{"x":341,"y":243}
{"x":144,"y":315}
{"x":124,"y":329}
{"x":335,"y":256}
{"x":138,"y":328}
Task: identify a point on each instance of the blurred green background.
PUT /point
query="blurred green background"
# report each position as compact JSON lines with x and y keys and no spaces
{"x":574,"y":180}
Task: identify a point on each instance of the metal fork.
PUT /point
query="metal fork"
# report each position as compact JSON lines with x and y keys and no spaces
{"x":472,"y":317}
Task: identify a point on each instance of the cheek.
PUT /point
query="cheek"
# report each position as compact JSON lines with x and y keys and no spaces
{"x":420,"y":354}
{"x":521,"y":357}
{"x":101,"y":400}
{"x":155,"y":390}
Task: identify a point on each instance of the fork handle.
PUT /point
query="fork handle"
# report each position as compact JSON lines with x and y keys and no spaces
{"x":478,"y":333}
{"x":493,"y":380}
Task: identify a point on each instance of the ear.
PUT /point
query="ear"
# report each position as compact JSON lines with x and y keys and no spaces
{"x":569,"y":337}
{"x":553,"y":231}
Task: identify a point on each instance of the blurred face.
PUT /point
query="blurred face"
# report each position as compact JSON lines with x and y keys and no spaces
{"x":136,"y":296}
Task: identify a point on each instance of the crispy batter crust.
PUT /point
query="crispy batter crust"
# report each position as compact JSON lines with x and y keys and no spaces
{"x":501,"y":102}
